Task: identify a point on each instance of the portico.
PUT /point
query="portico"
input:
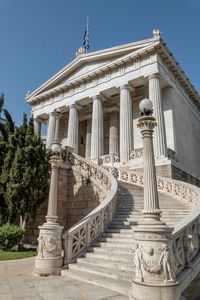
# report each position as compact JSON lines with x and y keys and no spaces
{"x":98,"y":95}
{"x":107,"y":121}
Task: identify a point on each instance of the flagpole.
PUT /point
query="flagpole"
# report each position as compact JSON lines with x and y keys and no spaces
{"x":87,"y":26}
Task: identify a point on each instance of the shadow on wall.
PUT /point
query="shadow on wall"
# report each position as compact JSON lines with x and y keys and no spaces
{"x":76,"y":198}
{"x":82,"y":197}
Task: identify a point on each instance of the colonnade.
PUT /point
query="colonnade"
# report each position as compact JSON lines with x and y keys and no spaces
{"x":120,"y":128}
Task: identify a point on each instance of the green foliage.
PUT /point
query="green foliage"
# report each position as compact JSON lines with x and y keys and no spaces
{"x":1,"y":102}
{"x":25,"y":173}
{"x":8,"y":255}
{"x":10,"y":236}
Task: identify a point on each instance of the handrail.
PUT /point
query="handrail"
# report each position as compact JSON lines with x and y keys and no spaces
{"x":186,"y":233}
{"x":82,"y":234}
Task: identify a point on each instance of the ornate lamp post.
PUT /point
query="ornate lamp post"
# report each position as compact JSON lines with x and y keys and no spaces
{"x":49,"y":260}
{"x":155,"y":265}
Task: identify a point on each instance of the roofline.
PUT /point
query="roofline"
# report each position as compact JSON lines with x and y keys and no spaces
{"x":159,"y":45}
{"x":91,"y":56}
{"x":92,"y":73}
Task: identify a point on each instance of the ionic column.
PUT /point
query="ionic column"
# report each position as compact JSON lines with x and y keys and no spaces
{"x":72,"y":136}
{"x":125,"y":123}
{"x":51,"y":129}
{"x":114,"y":133}
{"x":160,"y":144}
{"x":37,"y":126}
{"x":88,"y":139}
{"x":57,"y":126}
{"x":97,"y":128}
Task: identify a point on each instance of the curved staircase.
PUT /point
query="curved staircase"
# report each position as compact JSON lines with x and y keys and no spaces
{"x":109,"y":261}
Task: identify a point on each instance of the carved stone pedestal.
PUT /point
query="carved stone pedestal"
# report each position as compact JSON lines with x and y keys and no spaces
{"x":155,"y":265}
{"x":49,"y":260}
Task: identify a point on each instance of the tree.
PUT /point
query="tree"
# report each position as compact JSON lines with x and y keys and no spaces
{"x":1,"y":103}
{"x":7,"y":131}
{"x":25,"y":173}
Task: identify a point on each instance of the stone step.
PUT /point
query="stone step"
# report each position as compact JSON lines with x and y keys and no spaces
{"x":114,"y":256}
{"x":119,"y":230}
{"x":108,"y":263}
{"x":118,"y":240}
{"x":117,"y":285}
{"x":104,"y":271}
{"x":118,"y":226}
{"x":111,"y":250}
{"x":118,"y":235}
{"x":127,"y":247}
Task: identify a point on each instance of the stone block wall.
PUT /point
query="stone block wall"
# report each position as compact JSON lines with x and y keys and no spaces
{"x":76,"y":199}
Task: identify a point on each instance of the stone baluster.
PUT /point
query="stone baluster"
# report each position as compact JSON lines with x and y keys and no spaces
{"x":114,"y":133}
{"x":51,"y":129}
{"x":72,"y":136}
{"x":97,"y":129}
{"x":160,"y":144}
{"x":88,"y":139}
{"x":126,"y":128}
{"x":37,"y":126}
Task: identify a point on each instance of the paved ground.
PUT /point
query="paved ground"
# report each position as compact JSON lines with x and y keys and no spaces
{"x":18,"y":283}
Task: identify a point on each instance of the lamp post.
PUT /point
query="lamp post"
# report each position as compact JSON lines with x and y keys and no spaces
{"x":154,"y":260}
{"x":49,"y":260}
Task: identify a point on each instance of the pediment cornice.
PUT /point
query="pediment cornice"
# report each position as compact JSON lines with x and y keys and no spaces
{"x":39,"y":94}
{"x":135,"y":51}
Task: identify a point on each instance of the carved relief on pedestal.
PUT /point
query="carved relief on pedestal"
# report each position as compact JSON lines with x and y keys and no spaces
{"x":158,"y":264}
{"x":168,"y":263}
{"x":138,"y":261}
{"x":49,"y":245}
{"x":189,"y":248}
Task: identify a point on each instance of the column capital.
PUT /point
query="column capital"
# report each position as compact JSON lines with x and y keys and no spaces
{"x":37,"y":119}
{"x":52,"y":113}
{"x":74,"y":105}
{"x":155,"y":75}
{"x":124,"y":87}
{"x":96,"y":97}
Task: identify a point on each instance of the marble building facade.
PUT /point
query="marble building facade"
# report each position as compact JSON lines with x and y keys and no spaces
{"x":95,"y":99}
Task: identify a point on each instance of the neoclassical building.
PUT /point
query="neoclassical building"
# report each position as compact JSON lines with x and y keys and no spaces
{"x":110,"y":220}
{"x":95,"y":99}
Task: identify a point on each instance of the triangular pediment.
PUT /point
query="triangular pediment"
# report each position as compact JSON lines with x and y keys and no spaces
{"x":88,"y":63}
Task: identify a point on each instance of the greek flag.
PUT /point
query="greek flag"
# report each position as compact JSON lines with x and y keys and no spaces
{"x":86,"y":38}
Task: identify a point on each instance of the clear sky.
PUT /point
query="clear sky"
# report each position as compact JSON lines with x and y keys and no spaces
{"x":39,"y":37}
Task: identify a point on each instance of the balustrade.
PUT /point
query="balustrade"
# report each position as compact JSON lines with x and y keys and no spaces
{"x":81,"y":235}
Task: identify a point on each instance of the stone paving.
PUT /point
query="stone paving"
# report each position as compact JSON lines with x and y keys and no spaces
{"x":18,"y":283}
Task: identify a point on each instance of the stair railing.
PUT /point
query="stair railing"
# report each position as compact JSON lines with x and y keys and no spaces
{"x":186,"y":234}
{"x":82,"y":234}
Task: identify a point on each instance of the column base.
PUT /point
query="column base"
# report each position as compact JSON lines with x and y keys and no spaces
{"x":48,"y":266}
{"x":155,"y":292}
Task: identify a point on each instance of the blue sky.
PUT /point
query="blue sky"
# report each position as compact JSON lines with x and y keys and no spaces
{"x":39,"y":37}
